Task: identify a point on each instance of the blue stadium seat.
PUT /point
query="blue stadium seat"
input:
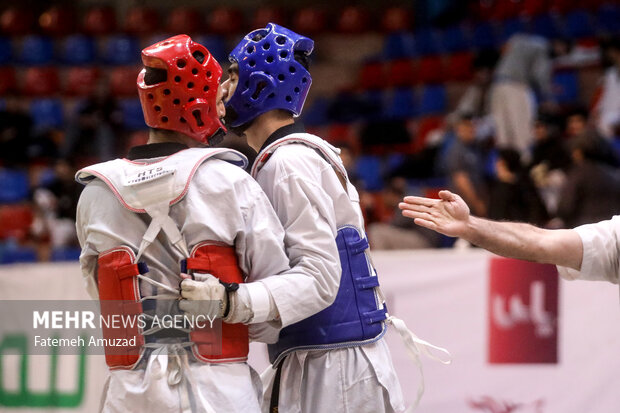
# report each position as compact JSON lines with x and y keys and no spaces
{"x":433,"y":99}
{"x":546,"y":25}
{"x":483,"y":36}
{"x":368,"y":169}
{"x":316,"y":114}
{"x":607,"y":18}
{"x":79,"y":50}
{"x":66,"y":254}
{"x":47,"y":113}
{"x":566,"y":87}
{"x":490,"y":169}
{"x":615,"y":144}
{"x":36,"y":50}
{"x":455,"y":39}
{"x":121,"y":50}
{"x":579,"y":25}
{"x":399,"y":45}
{"x":216,"y":45}
{"x":402,"y":105}
{"x":10,"y":254}
{"x":426,"y":42}
{"x":511,"y":27}
{"x":6,"y":51}
{"x":133,"y":118}
{"x":376,"y":102}
{"x":14,"y":185}
{"x":394,"y":160}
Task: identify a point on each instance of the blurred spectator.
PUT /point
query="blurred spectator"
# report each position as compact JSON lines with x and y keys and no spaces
{"x":569,"y":55}
{"x":550,"y":161}
{"x":609,"y":105}
{"x":548,"y":146}
{"x":576,"y":122}
{"x":592,"y":190}
{"x":15,"y":132}
{"x":513,"y":196}
{"x":577,"y":129}
{"x":94,"y":134}
{"x":55,"y":205}
{"x":476,"y":99}
{"x":525,"y":67}
{"x":400,"y":232}
{"x":465,"y":166}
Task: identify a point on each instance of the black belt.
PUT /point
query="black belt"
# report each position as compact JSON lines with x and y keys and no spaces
{"x":275,"y":390}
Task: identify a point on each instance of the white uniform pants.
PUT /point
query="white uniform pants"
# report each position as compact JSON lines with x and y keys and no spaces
{"x":350,"y":380}
{"x":226,"y":388}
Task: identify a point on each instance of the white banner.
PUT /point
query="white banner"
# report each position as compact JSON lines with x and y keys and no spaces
{"x":443,"y":296}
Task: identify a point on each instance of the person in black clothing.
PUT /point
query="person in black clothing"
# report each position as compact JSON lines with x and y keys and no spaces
{"x":15,"y":133}
{"x":513,"y":195}
{"x":592,"y":190}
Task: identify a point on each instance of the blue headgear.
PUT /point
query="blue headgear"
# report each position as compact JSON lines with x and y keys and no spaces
{"x":269,"y":76}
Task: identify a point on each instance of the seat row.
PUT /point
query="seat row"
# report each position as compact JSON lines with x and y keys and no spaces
{"x":492,"y":34}
{"x":79,"y":49}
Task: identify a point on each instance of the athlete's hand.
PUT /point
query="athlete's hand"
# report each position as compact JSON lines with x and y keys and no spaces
{"x":448,"y":215}
{"x":203,"y":296}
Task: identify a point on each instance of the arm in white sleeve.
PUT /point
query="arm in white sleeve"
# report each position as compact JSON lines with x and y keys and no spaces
{"x":601,"y":244}
{"x":88,"y":256}
{"x":307,"y":214}
{"x":261,"y":247}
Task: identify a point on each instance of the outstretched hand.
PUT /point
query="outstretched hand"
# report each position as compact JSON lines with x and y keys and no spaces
{"x":448,"y":215}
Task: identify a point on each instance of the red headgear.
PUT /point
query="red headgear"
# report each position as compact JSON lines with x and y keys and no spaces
{"x":186,"y":100}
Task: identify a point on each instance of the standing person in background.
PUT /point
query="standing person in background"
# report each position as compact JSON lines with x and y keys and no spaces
{"x":525,"y":67}
{"x":609,"y":106}
{"x":476,"y":101}
{"x":589,"y":252}
{"x":464,"y":165}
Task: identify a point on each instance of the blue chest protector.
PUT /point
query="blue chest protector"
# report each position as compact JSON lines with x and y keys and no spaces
{"x":353,"y":319}
{"x":357,"y":315}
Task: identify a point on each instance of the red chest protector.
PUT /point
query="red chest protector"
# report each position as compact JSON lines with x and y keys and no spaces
{"x":152,"y":188}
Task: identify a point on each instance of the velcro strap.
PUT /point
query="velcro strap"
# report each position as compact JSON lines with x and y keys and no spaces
{"x":142,"y":267}
{"x":197,"y":264}
{"x":359,"y":246}
{"x":375,"y":316}
{"x":364,"y":283}
{"x":131,"y":270}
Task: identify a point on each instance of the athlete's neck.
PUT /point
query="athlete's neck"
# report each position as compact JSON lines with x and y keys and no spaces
{"x":264,"y":125}
{"x":163,"y":135}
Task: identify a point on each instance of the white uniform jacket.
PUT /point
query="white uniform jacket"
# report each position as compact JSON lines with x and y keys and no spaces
{"x":312,"y":205}
{"x":223,"y":203}
{"x":601,"y":252}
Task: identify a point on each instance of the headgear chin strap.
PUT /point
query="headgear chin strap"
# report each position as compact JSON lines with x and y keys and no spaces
{"x":269,"y":76}
{"x":185,"y":100}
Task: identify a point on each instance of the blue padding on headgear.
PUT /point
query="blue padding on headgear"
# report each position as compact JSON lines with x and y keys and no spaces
{"x":269,"y":76}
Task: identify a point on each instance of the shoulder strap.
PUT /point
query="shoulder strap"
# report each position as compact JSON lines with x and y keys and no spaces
{"x":329,"y":152}
{"x":153,"y":187}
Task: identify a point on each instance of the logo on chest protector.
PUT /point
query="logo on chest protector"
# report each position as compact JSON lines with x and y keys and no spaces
{"x":147,"y":175}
